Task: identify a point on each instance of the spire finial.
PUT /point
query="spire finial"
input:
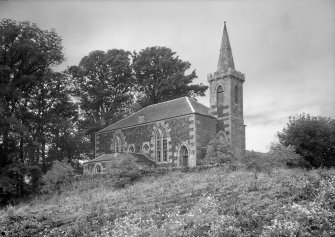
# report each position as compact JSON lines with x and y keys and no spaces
{"x":226,"y":57}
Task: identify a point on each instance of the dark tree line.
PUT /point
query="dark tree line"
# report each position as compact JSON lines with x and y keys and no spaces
{"x":47,"y":115}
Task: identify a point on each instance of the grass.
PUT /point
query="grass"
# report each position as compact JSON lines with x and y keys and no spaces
{"x":214,"y":202}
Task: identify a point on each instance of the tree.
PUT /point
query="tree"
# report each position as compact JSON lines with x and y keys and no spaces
{"x":53,"y":115}
{"x":103,"y":85}
{"x":160,"y":76}
{"x":312,"y":137}
{"x":26,"y":52}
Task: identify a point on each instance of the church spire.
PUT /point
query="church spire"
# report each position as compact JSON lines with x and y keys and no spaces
{"x":226,"y":57}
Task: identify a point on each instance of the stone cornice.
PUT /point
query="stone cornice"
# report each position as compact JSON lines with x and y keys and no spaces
{"x":231,"y":72}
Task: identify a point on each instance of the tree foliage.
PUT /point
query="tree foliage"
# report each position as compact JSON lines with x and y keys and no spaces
{"x":285,"y":156}
{"x":161,"y":76}
{"x":25,"y":52}
{"x":34,"y":101}
{"x":312,"y":137}
{"x":103,"y":84}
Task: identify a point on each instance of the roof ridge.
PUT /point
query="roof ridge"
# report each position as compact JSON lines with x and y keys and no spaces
{"x":165,"y":110}
{"x":167,"y":101}
{"x":133,"y":114}
{"x":189,"y":104}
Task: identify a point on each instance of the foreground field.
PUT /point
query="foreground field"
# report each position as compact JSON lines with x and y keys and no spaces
{"x":215,"y":202}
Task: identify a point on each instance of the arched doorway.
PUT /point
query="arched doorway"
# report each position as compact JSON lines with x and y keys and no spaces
{"x":97,"y":169}
{"x":183,"y":156}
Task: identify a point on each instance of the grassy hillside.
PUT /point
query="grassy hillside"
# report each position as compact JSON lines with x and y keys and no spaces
{"x":214,"y":202}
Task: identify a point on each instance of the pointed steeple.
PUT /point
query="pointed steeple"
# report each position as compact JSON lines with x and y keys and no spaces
{"x":226,"y":57}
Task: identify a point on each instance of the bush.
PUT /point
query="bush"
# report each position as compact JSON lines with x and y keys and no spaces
{"x":312,"y":137}
{"x":218,"y":152}
{"x":59,"y":173}
{"x":285,"y":156}
{"x":255,"y":161}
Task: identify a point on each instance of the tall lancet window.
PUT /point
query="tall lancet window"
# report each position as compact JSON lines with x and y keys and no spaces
{"x":236,"y":94}
{"x":118,"y":145}
{"x":161,"y":146}
{"x":219,"y":96}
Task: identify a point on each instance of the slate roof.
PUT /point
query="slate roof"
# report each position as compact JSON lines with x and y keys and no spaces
{"x":168,"y":109}
{"x":137,"y":157}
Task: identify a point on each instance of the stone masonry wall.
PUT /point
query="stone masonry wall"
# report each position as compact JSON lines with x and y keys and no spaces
{"x":230,"y":114}
{"x":205,"y":128}
{"x":180,"y":131}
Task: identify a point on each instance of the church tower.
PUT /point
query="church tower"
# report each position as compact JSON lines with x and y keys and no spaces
{"x":226,"y":97}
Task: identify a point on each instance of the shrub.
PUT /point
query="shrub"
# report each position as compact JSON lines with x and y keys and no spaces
{"x":123,"y":168}
{"x":217,"y":152}
{"x":285,"y":156}
{"x":312,"y":137}
{"x":279,"y":157}
{"x":254,"y":161}
{"x":59,"y":173}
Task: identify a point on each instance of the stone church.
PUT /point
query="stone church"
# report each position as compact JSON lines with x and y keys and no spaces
{"x":177,"y":131}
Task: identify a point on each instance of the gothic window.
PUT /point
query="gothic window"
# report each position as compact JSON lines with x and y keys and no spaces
{"x":219,"y":96}
{"x":98,"y":169}
{"x":161,"y":146}
{"x":236,"y":94}
{"x":118,"y":145}
{"x":131,"y":149}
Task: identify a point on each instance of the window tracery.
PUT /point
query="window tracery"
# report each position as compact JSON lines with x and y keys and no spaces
{"x":118,"y":145}
{"x":161,"y":146}
{"x":98,"y":169}
{"x":131,"y":149}
{"x":145,"y":148}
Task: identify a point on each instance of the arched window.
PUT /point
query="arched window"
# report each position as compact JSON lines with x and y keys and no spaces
{"x":161,"y":146}
{"x":98,"y":169}
{"x":236,"y":94}
{"x":118,"y":145}
{"x":219,"y":96}
{"x":131,"y":149}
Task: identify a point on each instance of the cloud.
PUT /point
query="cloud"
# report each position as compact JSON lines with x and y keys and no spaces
{"x":286,"y":49}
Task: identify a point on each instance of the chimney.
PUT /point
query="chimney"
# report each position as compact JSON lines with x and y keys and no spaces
{"x":141,"y":118}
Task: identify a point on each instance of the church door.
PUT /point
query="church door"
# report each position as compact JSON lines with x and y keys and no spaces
{"x":183,"y":156}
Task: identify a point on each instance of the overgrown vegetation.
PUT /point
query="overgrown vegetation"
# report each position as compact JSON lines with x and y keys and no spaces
{"x":40,"y":125}
{"x":214,"y":202}
{"x":58,"y":175}
{"x":312,"y":137}
{"x":218,"y":151}
{"x":47,"y":115}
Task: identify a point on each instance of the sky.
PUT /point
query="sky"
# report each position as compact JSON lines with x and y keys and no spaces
{"x":286,"y":49}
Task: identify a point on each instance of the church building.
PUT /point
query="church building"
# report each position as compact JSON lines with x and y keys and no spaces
{"x":176,"y":132}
